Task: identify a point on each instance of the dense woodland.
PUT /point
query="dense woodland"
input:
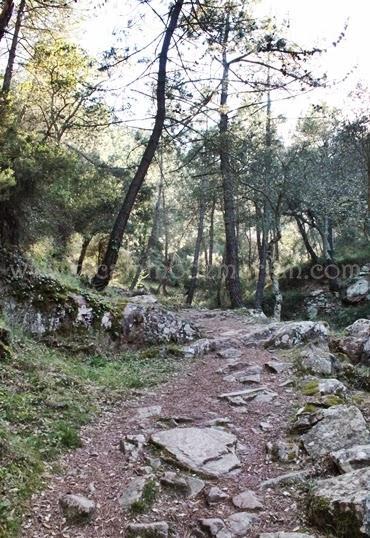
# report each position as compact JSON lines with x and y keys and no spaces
{"x":210,"y":203}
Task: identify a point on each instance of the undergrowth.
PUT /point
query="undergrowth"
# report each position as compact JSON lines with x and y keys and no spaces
{"x":46,"y":395}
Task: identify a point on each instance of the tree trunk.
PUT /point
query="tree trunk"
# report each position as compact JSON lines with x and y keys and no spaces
{"x":198,"y":243}
{"x":13,"y":49}
{"x":205,"y":251}
{"x":212,"y":233}
{"x":5,"y":16}
{"x":302,"y":230}
{"x":272,"y":258}
{"x":104,"y":273}
{"x":228,"y":185}
{"x":261,"y":281}
{"x":152,"y":241}
{"x":266,"y":211}
{"x":9,"y":226}
{"x":85,"y":245}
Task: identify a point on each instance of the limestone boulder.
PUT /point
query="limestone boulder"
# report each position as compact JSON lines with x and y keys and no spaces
{"x":198,"y":348}
{"x":356,"y":343}
{"x":317,"y":360}
{"x":286,"y":335}
{"x":357,"y":290}
{"x":341,"y":426}
{"x":340,"y":505}
{"x":159,"y":529}
{"x":351,"y":459}
{"x":152,"y":324}
{"x":77,"y":508}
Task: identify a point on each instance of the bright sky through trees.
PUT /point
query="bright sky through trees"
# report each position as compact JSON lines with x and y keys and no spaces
{"x":314,"y":22}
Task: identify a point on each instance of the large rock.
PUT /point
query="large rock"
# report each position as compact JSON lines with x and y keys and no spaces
{"x":152,"y":324}
{"x":332,"y":386}
{"x":319,"y":302}
{"x":341,"y":504}
{"x":317,"y":360}
{"x":341,"y":427}
{"x":77,"y":508}
{"x":206,"y":451}
{"x":358,"y":290}
{"x":158,"y":529}
{"x":351,"y":459}
{"x":234,"y":526}
{"x":286,"y":335}
{"x":356,"y":343}
{"x":133,"y":493}
{"x":198,"y":348}
{"x":247,"y":500}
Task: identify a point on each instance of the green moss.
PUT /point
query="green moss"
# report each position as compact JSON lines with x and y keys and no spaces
{"x":343,"y":524}
{"x":333,"y":399}
{"x":311,"y":388}
{"x":148,"y":497}
{"x":310,"y":408}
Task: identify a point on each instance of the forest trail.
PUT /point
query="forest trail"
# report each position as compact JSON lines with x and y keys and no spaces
{"x":102,"y":472}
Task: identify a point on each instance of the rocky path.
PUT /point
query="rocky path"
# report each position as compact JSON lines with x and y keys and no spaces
{"x":196,"y":457}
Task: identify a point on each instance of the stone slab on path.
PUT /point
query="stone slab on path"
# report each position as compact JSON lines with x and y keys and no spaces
{"x":206,"y":451}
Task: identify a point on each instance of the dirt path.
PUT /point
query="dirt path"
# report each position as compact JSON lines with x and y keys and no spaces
{"x":101,"y":471}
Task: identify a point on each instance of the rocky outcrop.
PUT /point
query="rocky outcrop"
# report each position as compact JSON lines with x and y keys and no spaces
{"x":341,"y":504}
{"x":41,"y":305}
{"x":320,"y":302}
{"x":357,"y":289}
{"x":340,"y":427}
{"x":152,"y":324}
{"x":356,"y":343}
{"x":206,"y":451}
{"x":286,"y":335}
{"x":318,"y":360}
{"x":351,"y":459}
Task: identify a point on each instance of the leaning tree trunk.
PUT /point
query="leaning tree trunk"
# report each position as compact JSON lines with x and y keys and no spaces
{"x":13,"y":49}
{"x":310,"y":251}
{"x":228,"y":185}
{"x":105,"y":271}
{"x":5,"y":16}
{"x":85,"y":245}
{"x":198,"y":243}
